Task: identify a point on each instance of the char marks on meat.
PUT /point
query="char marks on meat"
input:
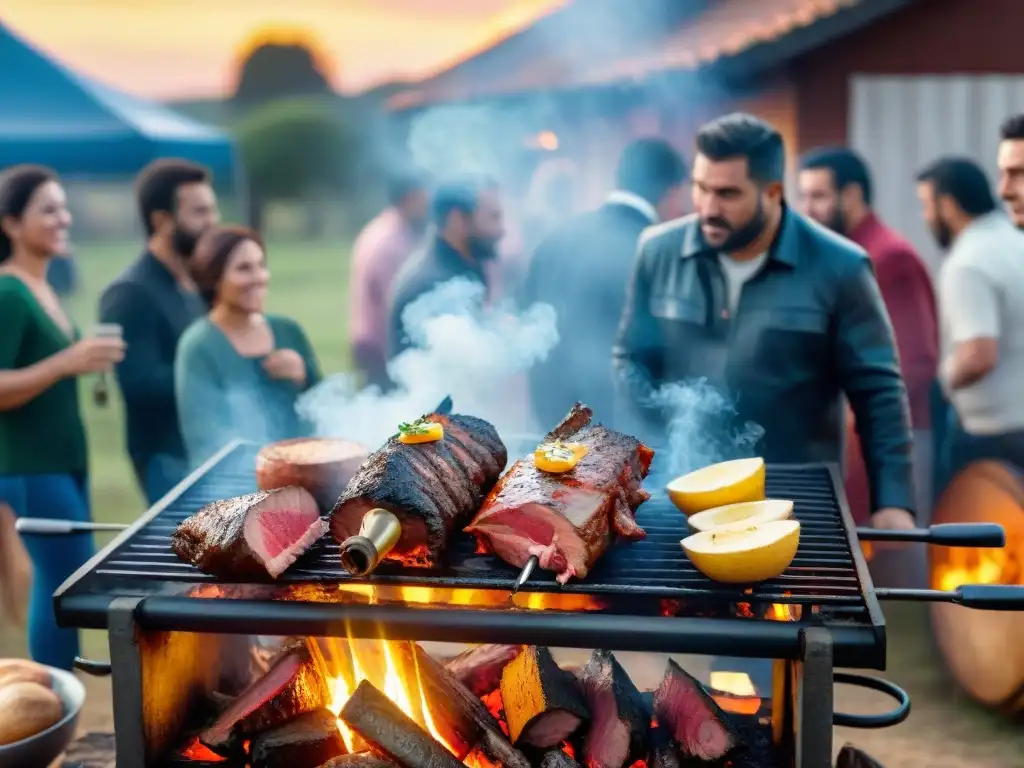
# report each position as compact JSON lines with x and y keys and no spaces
{"x":293,"y":686}
{"x":480,"y":668}
{"x":699,"y":726}
{"x":619,"y":718}
{"x":568,"y":520}
{"x":433,"y":488}
{"x":255,"y":536}
{"x":308,"y":741}
{"x":543,"y":706}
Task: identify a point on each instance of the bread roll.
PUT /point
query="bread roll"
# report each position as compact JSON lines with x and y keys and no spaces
{"x":25,"y":710}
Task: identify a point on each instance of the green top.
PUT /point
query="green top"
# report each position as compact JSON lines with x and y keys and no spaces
{"x":45,"y":435}
{"x":223,"y":396}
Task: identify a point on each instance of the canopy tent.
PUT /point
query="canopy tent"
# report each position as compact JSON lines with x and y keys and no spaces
{"x":53,"y":116}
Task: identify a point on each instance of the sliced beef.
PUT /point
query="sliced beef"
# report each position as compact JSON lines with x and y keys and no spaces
{"x":256,"y":536}
{"x":480,"y":668}
{"x":619,"y":721}
{"x":543,"y":706}
{"x":305,"y":742}
{"x":293,"y":686}
{"x":557,"y":759}
{"x":433,"y":488}
{"x":697,"y":724}
{"x":568,"y":520}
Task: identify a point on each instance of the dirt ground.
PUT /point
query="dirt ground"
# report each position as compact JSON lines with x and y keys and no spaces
{"x":945,"y":730}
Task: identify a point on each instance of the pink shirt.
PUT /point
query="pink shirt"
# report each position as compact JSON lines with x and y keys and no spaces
{"x":379,"y":252}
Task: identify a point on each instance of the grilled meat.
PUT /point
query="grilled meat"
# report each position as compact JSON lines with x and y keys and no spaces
{"x":432,"y":488}
{"x":699,"y":726}
{"x":543,"y":706}
{"x":619,"y":719}
{"x":255,"y":536}
{"x":323,"y":466}
{"x":480,"y":668}
{"x":568,"y":520}
{"x":305,"y":742}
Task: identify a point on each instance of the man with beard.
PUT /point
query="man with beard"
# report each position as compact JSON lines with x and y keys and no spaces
{"x":776,"y":311}
{"x":836,"y":191}
{"x":380,"y":251}
{"x":154,"y":300}
{"x":581,"y":269}
{"x":981,"y":306}
{"x":469,"y":223}
{"x":1011,"y":168}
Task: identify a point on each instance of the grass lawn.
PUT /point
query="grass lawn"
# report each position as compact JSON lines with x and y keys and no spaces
{"x":309,"y":282}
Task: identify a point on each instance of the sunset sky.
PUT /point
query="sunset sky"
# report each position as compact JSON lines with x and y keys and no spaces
{"x":189,"y":48}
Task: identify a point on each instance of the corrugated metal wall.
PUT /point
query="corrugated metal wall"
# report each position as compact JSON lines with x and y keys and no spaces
{"x":900,"y":124}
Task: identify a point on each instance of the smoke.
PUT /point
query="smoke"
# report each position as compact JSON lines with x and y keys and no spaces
{"x":461,"y":348}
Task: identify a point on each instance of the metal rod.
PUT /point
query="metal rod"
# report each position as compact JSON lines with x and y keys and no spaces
{"x":41,"y":526}
{"x":944,"y":534}
{"x":524,"y":575}
{"x":983,"y":597}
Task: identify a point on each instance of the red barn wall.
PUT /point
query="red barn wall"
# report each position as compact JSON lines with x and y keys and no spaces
{"x":931,"y":37}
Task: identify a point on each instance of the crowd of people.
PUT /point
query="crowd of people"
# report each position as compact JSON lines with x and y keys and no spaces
{"x":816,"y":319}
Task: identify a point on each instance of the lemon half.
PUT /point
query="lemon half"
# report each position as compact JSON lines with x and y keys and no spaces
{"x":728,"y":482}
{"x":749,"y":512}
{"x":742,"y":553}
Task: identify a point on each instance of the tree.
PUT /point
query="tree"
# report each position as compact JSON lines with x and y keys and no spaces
{"x":275,"y":70}
{"x":295,"y":149}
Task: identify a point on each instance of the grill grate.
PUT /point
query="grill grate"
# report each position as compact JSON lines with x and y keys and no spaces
{"x":824,"y":573}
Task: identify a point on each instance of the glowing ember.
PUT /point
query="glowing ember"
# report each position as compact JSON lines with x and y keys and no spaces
{"x":196,"y":751}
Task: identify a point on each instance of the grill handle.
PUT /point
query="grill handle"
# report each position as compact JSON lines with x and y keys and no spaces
{"x":41,"y":526}
{"x":94,"y":668}
{"x":885,"y":720}
{"x":943,"y":535}
{"x":982,"y":597}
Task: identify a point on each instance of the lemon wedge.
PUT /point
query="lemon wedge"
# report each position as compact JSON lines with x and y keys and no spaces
{"x":749,"y":512}
{"x":744,"y":553}
{"x":728,"y":482}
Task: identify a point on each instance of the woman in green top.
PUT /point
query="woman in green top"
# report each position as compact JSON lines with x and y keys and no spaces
{"x":42,"y":440}
{"x":238,"y":371}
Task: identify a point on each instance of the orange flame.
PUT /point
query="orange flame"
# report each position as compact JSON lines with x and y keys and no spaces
{"x":195,"y":750}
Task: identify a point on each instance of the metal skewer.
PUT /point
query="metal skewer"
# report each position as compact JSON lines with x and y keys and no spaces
{"x":524,"y":575}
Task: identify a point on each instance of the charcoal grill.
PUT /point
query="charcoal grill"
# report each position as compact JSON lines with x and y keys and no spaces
{"x":644,"y":596}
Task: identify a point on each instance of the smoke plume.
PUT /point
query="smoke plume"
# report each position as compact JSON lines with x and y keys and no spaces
{"x":460,"y":348}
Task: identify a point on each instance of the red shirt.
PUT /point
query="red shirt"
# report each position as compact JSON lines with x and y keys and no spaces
{"x":909,"y":296}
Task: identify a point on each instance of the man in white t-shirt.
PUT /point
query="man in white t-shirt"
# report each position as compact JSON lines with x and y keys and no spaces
{"x":981,"y":309}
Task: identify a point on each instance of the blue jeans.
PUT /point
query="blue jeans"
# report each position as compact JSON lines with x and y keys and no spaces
{"x":159,"y":474}
{"x":54,"y":558}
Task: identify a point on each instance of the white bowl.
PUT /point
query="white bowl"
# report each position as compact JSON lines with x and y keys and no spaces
{"x":46,"y":746}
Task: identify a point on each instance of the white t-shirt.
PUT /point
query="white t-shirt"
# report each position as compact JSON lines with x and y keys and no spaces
{"x":737,"y":274}
{"x":981,"y":295}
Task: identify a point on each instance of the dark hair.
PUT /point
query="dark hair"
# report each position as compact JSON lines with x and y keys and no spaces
{"x":401,"y":185}
{"x":648,"y":168}
{"x":963,"y":180}
{"x":462,"y":195}
{"x":1012,"y":128}
{"x":17,"y":186}
{"x":212,"y":254}
{"x":156,"y":186}
{"x":847,"y":167}
{"x":742,"y":135}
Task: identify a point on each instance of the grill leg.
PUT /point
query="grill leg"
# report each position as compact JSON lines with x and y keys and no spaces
{"x":815,"y":701}
{"x":126,"y":680}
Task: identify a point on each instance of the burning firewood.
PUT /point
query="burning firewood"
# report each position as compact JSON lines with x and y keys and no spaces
{"x":362,"y":760}
{"x":620,"y":721}
{"x":389,"y":731}
{"x":305,"y":742}
{"x":558,"y":759}
{"x":700,"y":727}
{"x":480,"y":668}
{"x":293,"y":686}
{"x":543,"y":706}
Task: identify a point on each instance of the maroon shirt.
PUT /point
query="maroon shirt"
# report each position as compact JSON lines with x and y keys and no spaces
{"x":909,"y":296}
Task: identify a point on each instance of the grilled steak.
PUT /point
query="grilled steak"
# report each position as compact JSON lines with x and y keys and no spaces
{"x":619,"y":719}
{"x":698,"y":725}
{"x":250,"y":537}
{"x":432,"y":488}
{"x":568,"y":520}
{"x":480,"y":668}
{"x":543,"y":706}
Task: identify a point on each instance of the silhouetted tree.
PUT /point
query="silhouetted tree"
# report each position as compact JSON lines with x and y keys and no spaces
{"x":273,"y":71}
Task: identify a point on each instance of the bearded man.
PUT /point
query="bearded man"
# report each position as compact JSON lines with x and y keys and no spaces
{"x":836,"y":190}
{"x":154,"y":301}
{"x":778,"y":312}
